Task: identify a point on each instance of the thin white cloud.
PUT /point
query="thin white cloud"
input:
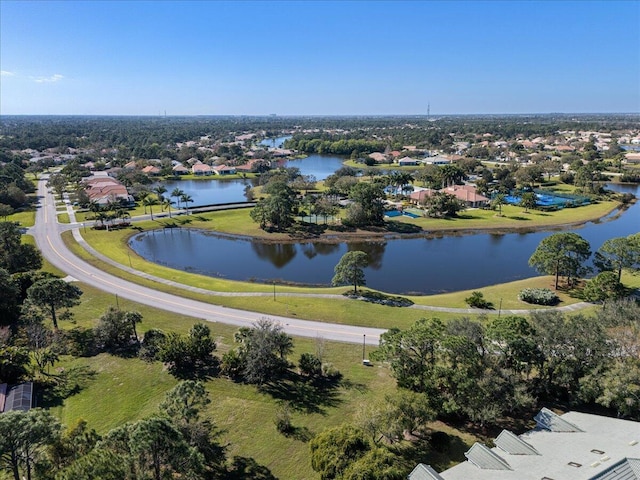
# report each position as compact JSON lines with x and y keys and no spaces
{"x":6,"y":73}
{"x":53,"y":78}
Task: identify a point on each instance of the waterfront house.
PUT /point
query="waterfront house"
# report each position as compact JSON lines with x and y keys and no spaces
{"x":201,"y":169}
{"x":468,"y":195}
{"x":407,"y":162}
{"x":224,"y":170}
{"x":151,"y":170}
{"x":180,"y":170}
{"x":104,"y":189}
{"x":378,"y":157}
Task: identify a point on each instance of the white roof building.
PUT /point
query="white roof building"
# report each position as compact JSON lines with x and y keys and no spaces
{"x":573,"y":446}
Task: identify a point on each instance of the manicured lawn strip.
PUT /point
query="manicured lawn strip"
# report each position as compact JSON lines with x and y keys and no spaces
{"x":113,"y":244}
{"x":512,"y":217}
{"x":507,"y":292}
{"x":63,"y":218}
{"x":331,"y":310}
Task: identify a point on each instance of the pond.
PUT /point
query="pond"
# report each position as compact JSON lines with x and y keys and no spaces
{"x":208,"y":192}
{"x":216,"y":190}
{"x":416,"y":265}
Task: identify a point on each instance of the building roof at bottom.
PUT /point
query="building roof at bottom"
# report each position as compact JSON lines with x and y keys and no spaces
{"x":584,"y":455}
{"x":19,"y":397}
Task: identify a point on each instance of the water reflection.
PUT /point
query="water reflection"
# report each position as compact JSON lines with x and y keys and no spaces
{"x":278,"y":254}
{"x":422,"y":265}
{"x":374,"y":250}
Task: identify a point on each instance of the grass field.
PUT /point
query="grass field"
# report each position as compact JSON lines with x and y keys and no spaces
{"x":25,"y":219}
{"x":127,"y":389}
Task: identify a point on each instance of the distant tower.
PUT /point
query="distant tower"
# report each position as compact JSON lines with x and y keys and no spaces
{"x":428,"y":110}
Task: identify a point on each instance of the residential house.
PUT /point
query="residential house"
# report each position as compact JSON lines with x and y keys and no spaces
{"x":468,"y":195}
{"x":378,"y":157}
{"x":104,"y":189}
{"x":438,"y":160}
{"x":633,"y":157}
{"x":151,"y":170}
{"x":418,"y":197}
{"x":408,"y":162}
{"x":201,"y":169}
{"x":180,"y":169}
{"x":224,"y":170}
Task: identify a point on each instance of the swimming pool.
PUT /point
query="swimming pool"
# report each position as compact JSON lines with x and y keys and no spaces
{"x":396,"y":213}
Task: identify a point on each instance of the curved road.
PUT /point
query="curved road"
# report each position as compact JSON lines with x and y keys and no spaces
{"x":47,"y":235}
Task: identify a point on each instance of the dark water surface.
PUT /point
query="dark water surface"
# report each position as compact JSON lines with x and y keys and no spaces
{"x":417,"y":265}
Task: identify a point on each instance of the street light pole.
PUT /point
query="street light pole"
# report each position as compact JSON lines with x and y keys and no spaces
{"x":274,"y":290}
{"x":364,"y":343}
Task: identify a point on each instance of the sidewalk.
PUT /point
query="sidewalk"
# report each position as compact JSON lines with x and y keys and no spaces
{"x":469,"y":311}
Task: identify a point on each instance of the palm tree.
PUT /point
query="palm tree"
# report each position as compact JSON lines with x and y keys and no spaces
{"x":176,"y":192}
{"x":186,"y":198}
{"x":166,"y":203}
{"x":497,"y":202}
{"x":150,"y":201}
{"x":122,"y":214}
{"x":160,"y":190}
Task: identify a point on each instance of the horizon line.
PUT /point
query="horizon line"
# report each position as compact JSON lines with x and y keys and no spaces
{"x":319,"y":115}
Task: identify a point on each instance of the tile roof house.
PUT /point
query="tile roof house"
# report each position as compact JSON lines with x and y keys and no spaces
{"x":224,"y":170}
{"x":418,"y":196}
{"x":468,"y":195}
{"x":151,"y":170}
{"x":201,"y":169}
{"x":573,"y":446}
{"x":104,"y":189}
{"x":180,"y":170}
{"x":378,"y":157}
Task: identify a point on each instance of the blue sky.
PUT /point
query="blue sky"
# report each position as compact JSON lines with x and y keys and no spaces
{"x":318,"y":58}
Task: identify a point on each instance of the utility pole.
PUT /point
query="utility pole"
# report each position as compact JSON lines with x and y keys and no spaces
{"x":364,"y":343}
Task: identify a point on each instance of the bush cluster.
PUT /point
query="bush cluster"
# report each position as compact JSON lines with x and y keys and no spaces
{"x":538,"y":296}
{"x":477,"y":300}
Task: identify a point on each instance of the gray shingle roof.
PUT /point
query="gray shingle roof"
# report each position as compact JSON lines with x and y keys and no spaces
{"x":513,"y":444}
{"x":625,"y":469}
{"x":483,"y":457}
{"x":548,"y":420}
{"x":424,"y":472}
{"x":19,"y":397}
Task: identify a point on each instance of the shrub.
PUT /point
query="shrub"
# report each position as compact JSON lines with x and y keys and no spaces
{"x":538,"y":296}
{"x":151,"y":343}
{"x":477,"y":300}
{"x":310,"y":365}
{"x":283,"y":420}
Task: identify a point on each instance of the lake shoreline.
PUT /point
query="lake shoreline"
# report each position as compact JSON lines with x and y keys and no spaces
{"x":383,"y":234}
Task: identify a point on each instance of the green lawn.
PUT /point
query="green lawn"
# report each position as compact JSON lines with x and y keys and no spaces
{"x":322,"y":309}
{"x":25,"y":219}
{"x":124,"y":390}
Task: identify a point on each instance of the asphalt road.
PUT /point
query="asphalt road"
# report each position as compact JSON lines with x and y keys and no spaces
{"x":47,"y":235}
